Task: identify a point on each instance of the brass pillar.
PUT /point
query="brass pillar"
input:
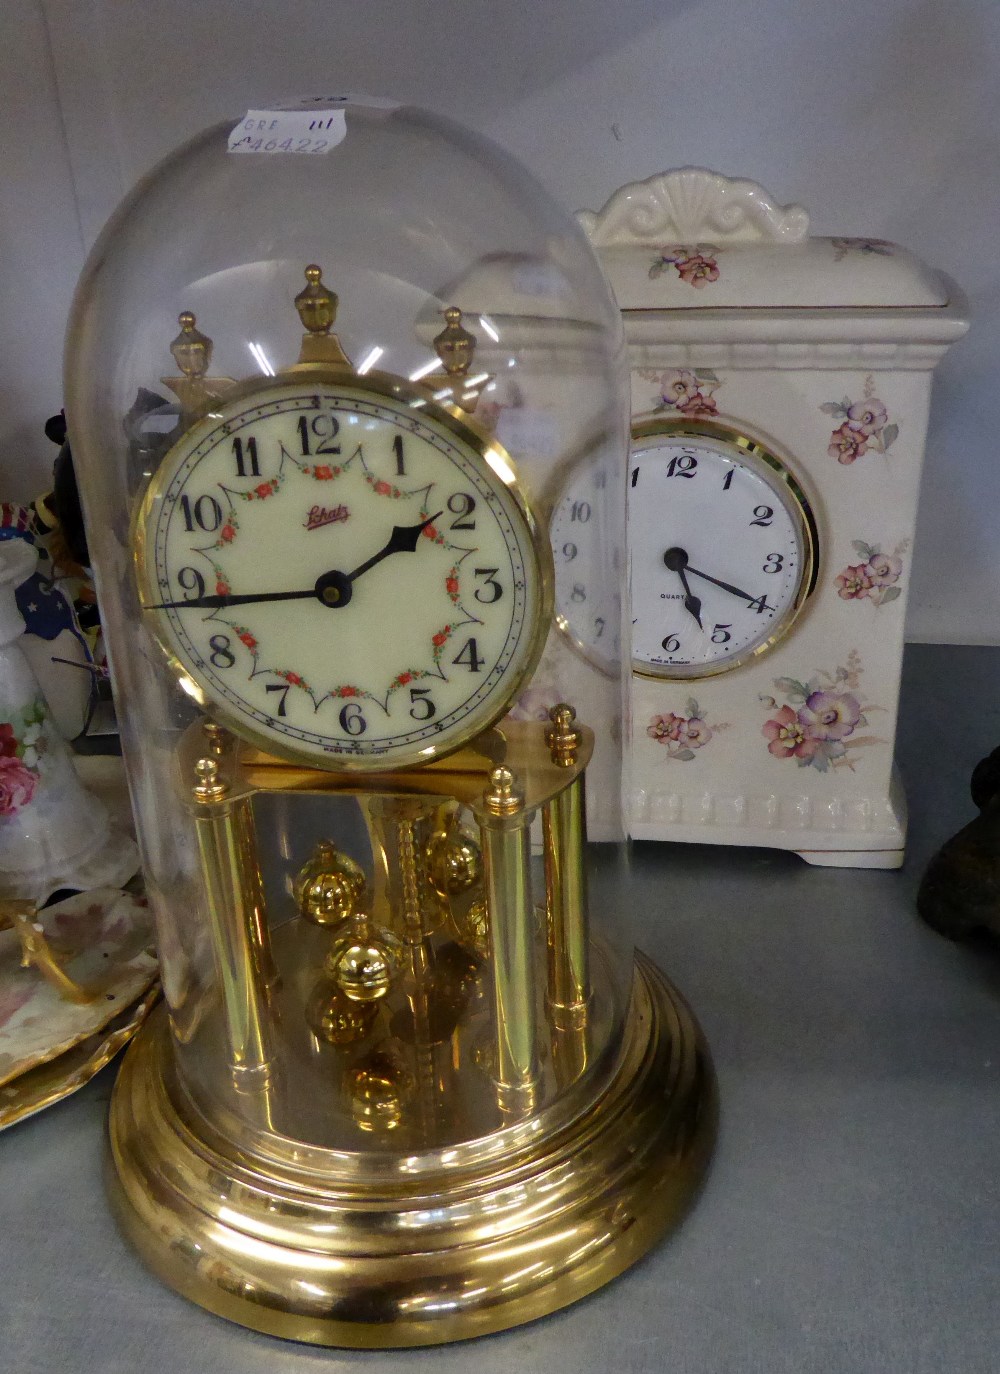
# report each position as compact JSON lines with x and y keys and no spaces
{"x":564,"y":828}
{"x":224,"y":830}
{"x":505,"y":829}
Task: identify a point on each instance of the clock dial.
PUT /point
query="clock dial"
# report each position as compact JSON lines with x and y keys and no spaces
{"x":344,"y":570}
{"x":721,"y":547}
{"x":588,"y":608}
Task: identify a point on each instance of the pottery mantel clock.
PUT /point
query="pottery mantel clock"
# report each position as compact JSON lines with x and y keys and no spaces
{"x":780,"y":387}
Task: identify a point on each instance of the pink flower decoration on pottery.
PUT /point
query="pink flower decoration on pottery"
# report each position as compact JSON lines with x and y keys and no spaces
{"x":699,"y":405}
{"x":679,"y":388}
{"x":694,"y":733}
{"x":17,"y":785}
{"x":867,"y":416}
{"x":830,"y":715}
{"x":664,"y":728}
{"x":786,"y":736}
{"x":847,"y":443}
{"x":8,"y":741}
{"x":883,"y":569}
{"x":697,"y":270}
{"x":854,"y":582}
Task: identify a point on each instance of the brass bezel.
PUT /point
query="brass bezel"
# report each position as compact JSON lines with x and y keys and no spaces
{"x":778,"y":473}
{"x":455,"y":422}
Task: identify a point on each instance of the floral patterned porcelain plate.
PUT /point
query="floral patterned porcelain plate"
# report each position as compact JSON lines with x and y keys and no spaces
{"x":103,"y":939}
{"x":58,"y":1078}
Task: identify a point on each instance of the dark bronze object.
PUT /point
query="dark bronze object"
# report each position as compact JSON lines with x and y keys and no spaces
{"x":959,"y":895}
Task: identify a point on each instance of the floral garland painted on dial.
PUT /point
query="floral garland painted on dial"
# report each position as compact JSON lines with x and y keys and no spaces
{"x":22,"y":746}
{"x":864,"y":426}
{"x":681,"y":736}
{"x":874,"y":579}
{"x":816,"y":724}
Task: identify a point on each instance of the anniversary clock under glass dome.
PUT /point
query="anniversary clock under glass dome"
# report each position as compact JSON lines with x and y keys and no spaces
{"x":331,"y":375}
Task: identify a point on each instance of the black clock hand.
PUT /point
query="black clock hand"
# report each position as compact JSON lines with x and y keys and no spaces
{"x":211,"y":603}
{"x":726,"y":586}
{"x":402,"y":540}
{"x":333,"y":588}
{"x":691,"y":603}
{"x":677,"y":561}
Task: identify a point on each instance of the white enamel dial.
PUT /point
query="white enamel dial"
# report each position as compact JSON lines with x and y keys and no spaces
{"x":587,"y":575}
{"x":344,"y":571}
{"x":721,"y":547}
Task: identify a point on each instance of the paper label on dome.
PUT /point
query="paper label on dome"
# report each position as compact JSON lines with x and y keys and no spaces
{"x":288,"y":131}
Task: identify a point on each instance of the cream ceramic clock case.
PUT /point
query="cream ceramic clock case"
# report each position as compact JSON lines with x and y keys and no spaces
{"x":780,"y":387}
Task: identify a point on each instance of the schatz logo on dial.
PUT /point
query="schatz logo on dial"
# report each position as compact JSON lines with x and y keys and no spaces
{"x":324,"y":515}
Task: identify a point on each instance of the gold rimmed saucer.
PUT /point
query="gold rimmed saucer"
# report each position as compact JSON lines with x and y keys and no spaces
{"x":58,"y":1078}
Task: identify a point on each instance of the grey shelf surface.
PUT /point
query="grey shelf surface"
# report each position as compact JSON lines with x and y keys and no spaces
{"x":851,"y":1219}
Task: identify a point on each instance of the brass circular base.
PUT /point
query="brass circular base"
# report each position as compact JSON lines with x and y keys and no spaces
{"x":403,"y":1260}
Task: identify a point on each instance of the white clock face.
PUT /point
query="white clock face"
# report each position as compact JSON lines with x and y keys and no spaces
{"x":342,"y":572}
{"x":588,"y":606}
{"x":721,"y":547}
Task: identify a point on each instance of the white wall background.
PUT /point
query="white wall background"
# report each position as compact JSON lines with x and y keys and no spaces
{"x":881,"y":116}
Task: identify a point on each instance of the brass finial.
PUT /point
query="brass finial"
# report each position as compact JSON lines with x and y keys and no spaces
{"x":503,"y":797}
{"x":455,"y":346}
{"x":317,"y":307}
{"x":562,"y":737}
{"x":192,"y":349}
{"x":209,"y":787}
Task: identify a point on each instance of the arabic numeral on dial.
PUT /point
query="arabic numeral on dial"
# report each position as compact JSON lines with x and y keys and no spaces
{"x":352,"y":721}
{"x":684,"y":465}
{"x":569,"y":551}
{"x":581,"y":512}
{"x":671,"y":644}
{"x":763,"y":515}
{"x":490,"y":583}
{"x":775,"y":562}
{"x":191,"y":580}
{"x":635,"y":476}
{"x":721,"y":635}
{"x":759,"y":604}
{"x":421,"y":706}
{"x":461,"y":505}
{"x":284,"y":689}
{"x":728,"y":479}
{"x":397,"y":448}
{"x":205,"y":513}
{"x":579,"y":592}
{"x":222,"y":655}
{"x":247,"y":463}
{"x":324,"y":429}
{"x":598,"y":626}
{"x":469,"y":656}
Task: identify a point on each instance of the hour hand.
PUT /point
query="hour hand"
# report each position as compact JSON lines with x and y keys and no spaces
{"x":691,"y":602}
{"x":404,"y":539}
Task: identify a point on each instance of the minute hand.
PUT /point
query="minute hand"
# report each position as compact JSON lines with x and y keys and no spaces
{"x":726,"y":586}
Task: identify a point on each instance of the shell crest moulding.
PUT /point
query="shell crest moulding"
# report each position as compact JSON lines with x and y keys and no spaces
{"x":691,"y":203}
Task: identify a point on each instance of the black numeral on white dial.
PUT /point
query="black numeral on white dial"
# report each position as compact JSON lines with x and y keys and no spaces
{"x":726,"y":556}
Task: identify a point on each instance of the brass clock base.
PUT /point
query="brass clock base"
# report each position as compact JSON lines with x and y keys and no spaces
{"x":396,"y":1259}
